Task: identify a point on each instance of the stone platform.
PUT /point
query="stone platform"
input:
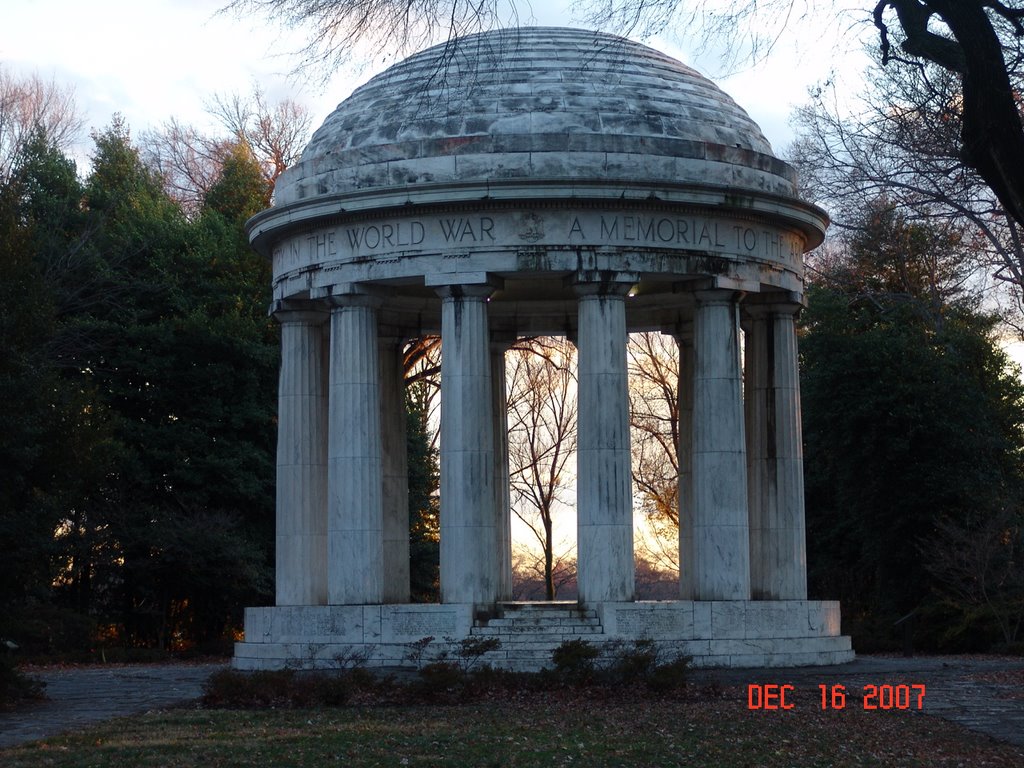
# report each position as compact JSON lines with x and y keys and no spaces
{"x":736,"y":633}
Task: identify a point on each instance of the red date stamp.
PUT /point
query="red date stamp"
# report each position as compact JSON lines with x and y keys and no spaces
{"x":886,"y":696}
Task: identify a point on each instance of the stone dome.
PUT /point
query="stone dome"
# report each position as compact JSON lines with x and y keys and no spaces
{"x":541,"y":104}
{"x":527,"y":158}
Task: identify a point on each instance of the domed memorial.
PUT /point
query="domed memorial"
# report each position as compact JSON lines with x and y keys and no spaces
{"x":513,"y":183}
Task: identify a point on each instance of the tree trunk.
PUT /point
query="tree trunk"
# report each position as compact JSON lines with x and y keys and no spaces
{"x":549,"y":558}
{"x":992,"y":133}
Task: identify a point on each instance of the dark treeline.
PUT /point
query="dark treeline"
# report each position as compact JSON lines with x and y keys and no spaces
{"x":137,"y":385}
{"x":914,"y":432}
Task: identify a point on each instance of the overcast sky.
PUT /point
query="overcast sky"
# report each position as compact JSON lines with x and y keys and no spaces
{"x":152,"y":60}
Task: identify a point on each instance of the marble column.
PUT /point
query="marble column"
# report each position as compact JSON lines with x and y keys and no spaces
{"x":502,"y":484}
{"x":758,"y":416}
{"x":301,"y":533}
{"x":355,"y":543}
{"x":785,"y":551}
{"x":394,"y":471}
{"x":721,"y":538}
{"x":684,"y":453}
{"x":604,"y":507}
{"x":469,"y":565}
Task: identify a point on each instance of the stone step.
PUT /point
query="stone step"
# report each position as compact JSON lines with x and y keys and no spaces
{"x":512,"y":641}
{"x":498,"y":658}
{"x":549,"y":610}
{"x":514,"y":633}
{"x":530,"y":632}
{"x":531,"y":623}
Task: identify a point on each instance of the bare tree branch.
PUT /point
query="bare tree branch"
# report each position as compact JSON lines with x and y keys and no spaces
{"x":654,"y":422}
{"x":341,"y":31}
{"x":30,"y":104}
{"x":190,"y":161}
{"x":542,"y":438}
{"x":900,"y":150}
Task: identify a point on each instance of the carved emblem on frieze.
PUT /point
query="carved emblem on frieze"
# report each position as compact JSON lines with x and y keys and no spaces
{"x":531,"y":227}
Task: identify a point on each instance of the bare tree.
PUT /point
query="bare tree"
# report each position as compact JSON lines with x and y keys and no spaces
{"x":972,"y":39}
{"x":655,"y":581}
{"x":542,"y":439}
{"x":981,"y":567}
{"x":421,"y":363}
{"x":899,"y":152}
{"x":976,"y":40}
{"x":339,"y":30}
{"x":190,"y":161}
{"x":530,"y":578}
{"x":276,"y":132}
{"x":29,"y":104}
{"x":654,"y":421}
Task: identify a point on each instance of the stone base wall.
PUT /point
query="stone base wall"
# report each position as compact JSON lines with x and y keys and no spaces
{"x":714,"y":634}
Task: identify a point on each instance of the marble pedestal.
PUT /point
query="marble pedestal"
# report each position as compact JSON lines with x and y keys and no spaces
{"x":734,"y":633}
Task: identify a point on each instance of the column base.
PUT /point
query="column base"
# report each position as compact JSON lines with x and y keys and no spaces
{"x":740,"y":633}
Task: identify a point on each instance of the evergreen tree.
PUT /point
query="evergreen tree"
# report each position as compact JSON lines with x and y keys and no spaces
{"x":26,"y":320}
{"x":137,"y":391}
{"x":912,"y":416}
{"x":424,"y":518}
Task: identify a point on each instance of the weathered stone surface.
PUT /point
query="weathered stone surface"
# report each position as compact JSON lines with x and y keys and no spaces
{"x":355,"y":538}
{"x":604,"y":483}
{"x":469,"y":548}
{"x":726,"y":634}
{"x":721,"y":545}
{"x":530,"y":102}
{"x":301,"y":546}
{"x":518,"y":183}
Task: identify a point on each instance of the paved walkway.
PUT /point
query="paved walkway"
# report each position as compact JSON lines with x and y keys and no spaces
{"x":957,"y":689}
{"x":964,"y":689}
{"x":81,"y":696}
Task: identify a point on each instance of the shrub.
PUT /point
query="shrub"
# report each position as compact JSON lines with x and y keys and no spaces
{"x":42,"y":630}
{"x":644,"y":662}
{"x":632,"y":664}
{"x":471,"y":650}
{"x":16,"y":687}
{"x":618,"y":663}
{"x":231,"y":689}
{"x":439,"y":680}
{"x":669,"y":676}
{"x":574,"y":660}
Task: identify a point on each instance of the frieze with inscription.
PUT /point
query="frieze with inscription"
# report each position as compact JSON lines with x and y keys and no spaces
{"x":509,"y":231}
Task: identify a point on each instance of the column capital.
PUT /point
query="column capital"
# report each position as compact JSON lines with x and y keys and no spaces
{"x":348,"y":294}
{"x":776,"y":302}
{"x":602,"y":282}
{"x":751,"y":315}
{"x":354,"y":298}
{"x":338,"y":303}
{"x":464,"y":284}
{"x":756,"y":310}
{"x":718,"y":296}
{"x":299,"y":311}
{"x":787,"y":308}
{"x":481,"y":291}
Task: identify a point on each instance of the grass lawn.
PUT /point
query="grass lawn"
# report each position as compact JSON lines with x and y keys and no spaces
{"x":579,"y":727}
